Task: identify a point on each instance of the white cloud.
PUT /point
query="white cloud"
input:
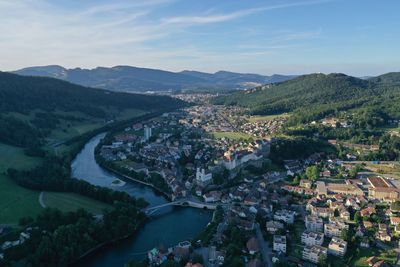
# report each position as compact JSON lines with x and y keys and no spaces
{"x":37,"y":32}
{"x":214,"y":18}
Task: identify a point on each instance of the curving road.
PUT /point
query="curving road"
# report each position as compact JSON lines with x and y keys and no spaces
{"x":41,"y":202}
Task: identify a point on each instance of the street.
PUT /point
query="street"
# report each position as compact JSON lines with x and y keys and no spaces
{"x":264,"y":248}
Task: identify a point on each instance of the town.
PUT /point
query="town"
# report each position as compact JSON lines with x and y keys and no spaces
{"x":305,"y":212}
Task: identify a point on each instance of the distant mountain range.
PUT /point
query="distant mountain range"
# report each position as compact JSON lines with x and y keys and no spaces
{"x":127,"y":78}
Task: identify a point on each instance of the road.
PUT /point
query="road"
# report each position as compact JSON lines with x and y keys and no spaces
{"x":264,"y":248}
{"x":41,"y":200}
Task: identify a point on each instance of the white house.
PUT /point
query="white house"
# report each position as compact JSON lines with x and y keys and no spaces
{"x":286,"y":216}
{"x":279,"y":243}
{"x":312,"y":238}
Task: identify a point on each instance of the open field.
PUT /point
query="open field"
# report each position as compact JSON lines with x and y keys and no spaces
{"x":71,"y":202}
{"x":79,"y":123}
{"x":231,"y":135}
{"x":15,"y":201}
{"x":14,"y":157}
{"x":268,"y":117}
{"x":381,"y":167}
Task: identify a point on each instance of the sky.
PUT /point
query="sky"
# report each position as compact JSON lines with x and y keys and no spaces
{"x":356,"y":37}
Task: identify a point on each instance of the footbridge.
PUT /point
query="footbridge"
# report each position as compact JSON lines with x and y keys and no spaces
{"x":181,"y":202}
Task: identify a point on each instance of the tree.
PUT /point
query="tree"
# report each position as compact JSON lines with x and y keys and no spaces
{"x":395,"y":206}
{"x":336,"y":213}
{"x":197,"y":258}
{"x":345,"y":235}
{"x":357,"y":216}
{"x":312,"y":172}
{"x":323,"y":260}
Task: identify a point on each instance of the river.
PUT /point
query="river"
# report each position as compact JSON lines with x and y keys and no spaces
{"x":167,"y":227}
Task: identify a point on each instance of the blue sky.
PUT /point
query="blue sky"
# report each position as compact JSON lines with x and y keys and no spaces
{"x":357,"y":37}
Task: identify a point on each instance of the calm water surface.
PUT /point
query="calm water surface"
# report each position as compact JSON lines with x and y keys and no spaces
{"x":167,"y":227}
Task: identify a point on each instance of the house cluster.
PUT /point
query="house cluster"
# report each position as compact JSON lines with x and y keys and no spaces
{"x":331,"y":208}
{"x":263,"y":128}
{"x":157,"y":256}
{"x":23,"y":237}
{"x":335,"y":122}
{"x":212,"y":118}
{"x":296,"y":166}
{"x":320,"y":225}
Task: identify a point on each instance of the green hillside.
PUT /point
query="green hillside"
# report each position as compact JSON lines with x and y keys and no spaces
{"x":317,"y":95}
{"x":36,"y":110}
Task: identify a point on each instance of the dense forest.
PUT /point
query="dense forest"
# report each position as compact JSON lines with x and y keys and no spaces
{"x":59,"y":239}
{"x":315,"y":96}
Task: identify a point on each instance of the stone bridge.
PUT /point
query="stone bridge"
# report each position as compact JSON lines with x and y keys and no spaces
{"x":181,"y":202}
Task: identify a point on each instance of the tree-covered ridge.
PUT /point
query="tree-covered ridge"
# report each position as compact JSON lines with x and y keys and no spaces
{"x":388,"y":78}
{"x":129,"y":78}
{"x":316,"y":95}
{"x":23,"y":94}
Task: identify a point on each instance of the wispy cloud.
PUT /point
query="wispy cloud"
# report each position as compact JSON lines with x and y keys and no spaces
{"x":38,"y":32}
{"x":214,"y":18}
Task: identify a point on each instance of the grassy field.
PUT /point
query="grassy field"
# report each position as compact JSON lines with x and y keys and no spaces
{"x":68,"y":129}
{"x":231,"y":135}
{"x":267,"y":117}
{"x":15,"y":201}
{"x":71,"y":202}
{"x":14,"y":157}
{"x":361,"y":257}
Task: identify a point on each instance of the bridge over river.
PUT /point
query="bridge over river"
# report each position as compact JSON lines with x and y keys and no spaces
{"x":182,"y":202}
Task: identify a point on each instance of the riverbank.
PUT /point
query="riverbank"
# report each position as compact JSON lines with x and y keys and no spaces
{"x":169,"y":227}
{"x":109,"y":243}
{"x":158,"y":190}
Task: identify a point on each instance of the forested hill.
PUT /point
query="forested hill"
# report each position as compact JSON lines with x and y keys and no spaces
{"x":39,"y":110}
{"x":24,"y":94}
{"x":317,"y":95}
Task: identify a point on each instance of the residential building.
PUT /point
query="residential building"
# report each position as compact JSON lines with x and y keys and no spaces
{"x":279,"y":244}
{"x":314,"y":223}
{"x":305,"y":183}
{"x":274,"y":226}
{"x":312,"y":238}
{"x":147,"y":133}
{"x":322,"y":212}
{"x":394,"y":220}
{"x":314,"y":253}
{"x":286,"y":216}
{"x":335,"y":228}
{"x":337,"y":247}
